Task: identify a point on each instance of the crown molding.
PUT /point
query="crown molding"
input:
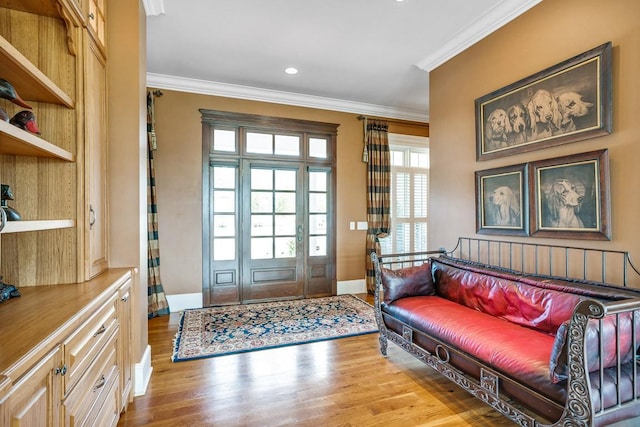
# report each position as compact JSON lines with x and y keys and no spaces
{"x":153,"y":7}
{"x":203,"y":87}
{"x":494,"y":18}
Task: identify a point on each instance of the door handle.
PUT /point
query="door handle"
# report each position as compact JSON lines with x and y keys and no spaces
{"x":92,"y":217}
{"x":299,"y":234}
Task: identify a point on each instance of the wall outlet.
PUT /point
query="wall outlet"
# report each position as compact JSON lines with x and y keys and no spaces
{"x":362,"y":225}
{"x":352,"y":225}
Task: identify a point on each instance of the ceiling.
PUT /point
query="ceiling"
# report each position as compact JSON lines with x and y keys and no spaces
{"x":369,"y":57}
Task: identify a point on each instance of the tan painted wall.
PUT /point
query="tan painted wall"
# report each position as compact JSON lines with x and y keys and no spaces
{"x":551,"y":32}
{"x":179,"y":181}
{"x":127,"y":168}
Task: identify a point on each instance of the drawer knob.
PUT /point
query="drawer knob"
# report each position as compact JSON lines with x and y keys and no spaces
{"x":100,"y":331}
{"x":92,"y":16}
{"x":61,"y":370}
{"x":100,"y":383}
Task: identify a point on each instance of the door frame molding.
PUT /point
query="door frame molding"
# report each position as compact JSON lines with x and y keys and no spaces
{"x":241,"y":122}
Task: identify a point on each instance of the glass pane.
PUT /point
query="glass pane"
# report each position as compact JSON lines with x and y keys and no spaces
{"x":285,"y":225}
{"x":259,"y":143}
{"x":403,"y":195}
{"x":318,"y":148}
{"x":287,"y":145}
{"x":397,"y":158}
{"x":224,"y":140}
{"x":317,"y":246}
{"x":420,"y":237}
{"x":261,"y":201}
{"x":386,"y":245}
{"x":224,"y":177}
{"x":261,"y":179}
{"x":318,"y":202}
{"x":286,"y":180}
{"x":224,"y":249}
{"x":224,"y":201}
{"x":403,"y":238}
{"x":419,"y":160}
{"x":317,"y":181}
{"x":285,"y":202}
{"x":224,"y":225}
{"x":420,"y":195}
{"x":317,"y":224}
{"x":285,"y":247}
{"x":261,"y":248}
{"x":261,"y":225}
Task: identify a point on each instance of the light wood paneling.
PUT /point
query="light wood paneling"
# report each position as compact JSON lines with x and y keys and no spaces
{"x":40,"y":170}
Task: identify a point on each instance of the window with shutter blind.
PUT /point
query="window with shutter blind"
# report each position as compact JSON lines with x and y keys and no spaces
{"x":409,"y":157}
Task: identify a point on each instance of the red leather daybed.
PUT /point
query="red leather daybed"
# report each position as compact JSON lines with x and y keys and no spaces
{"x":528,"y":345}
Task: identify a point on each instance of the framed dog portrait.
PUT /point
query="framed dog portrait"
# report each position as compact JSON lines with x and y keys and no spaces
{"x":570,"y":197}
{"x":567,"y":102}
{"x":501,"y":201}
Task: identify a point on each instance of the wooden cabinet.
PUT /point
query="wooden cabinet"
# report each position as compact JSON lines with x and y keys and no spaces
{"x":40,"y":169}
{"x":125,"y":361}
{"x":96,"y":388}
{"x":33,"y":400}
{"x":96,"y":21}
{"x":83,"y":345}
{"x":58,"y":66}
{"x":95,"y":86}
{"x":68,"y":369}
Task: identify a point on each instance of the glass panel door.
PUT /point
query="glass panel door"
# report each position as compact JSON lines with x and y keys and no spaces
{"x":268,"y":208}
{"x":273,"y":243}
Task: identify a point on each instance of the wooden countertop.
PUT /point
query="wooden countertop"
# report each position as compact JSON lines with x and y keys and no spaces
{"x":43,"y":316}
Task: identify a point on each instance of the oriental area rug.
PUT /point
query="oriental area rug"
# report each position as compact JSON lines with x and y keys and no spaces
{"x":218,"y":331}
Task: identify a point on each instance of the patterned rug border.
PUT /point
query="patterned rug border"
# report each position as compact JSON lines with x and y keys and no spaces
{"x":179,"y":334}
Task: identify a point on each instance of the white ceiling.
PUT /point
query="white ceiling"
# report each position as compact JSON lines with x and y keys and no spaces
{"x":368,"y":57}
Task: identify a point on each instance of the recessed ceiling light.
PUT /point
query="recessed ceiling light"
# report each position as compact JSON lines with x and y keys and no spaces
{"x":291,"y":70}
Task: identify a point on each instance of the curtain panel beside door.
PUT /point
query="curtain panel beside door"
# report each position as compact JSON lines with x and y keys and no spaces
{"x":378,"y":190}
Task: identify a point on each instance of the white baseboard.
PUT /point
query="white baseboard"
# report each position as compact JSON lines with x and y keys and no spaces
{"x":143,"y":373}
{"x":358,"y":286}
{"x":180,"y":302}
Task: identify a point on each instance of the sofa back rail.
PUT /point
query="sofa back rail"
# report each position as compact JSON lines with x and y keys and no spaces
{"x":567,"y":262}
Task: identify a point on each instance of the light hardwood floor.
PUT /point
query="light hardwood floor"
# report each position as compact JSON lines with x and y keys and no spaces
{"x":343,"y":382}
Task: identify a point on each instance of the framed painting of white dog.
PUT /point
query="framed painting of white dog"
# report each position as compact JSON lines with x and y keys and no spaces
{"x":501,"y":201}
{"x":567,"y":102}
{"x":570,"y":198}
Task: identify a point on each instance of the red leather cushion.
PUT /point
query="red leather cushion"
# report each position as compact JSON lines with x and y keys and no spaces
{"x":500,"y":296}
{"x":406,"y":282}
{"x":516,"y":351}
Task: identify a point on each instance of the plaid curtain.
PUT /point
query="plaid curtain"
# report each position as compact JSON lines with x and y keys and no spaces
{"x":378,"y":187}
{"x":157,"y":304}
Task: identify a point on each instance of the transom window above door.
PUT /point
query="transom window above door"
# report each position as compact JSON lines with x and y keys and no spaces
{"x":307,"y":144}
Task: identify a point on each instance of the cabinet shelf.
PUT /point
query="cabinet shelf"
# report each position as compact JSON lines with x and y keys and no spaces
{"x":24,"y":226}
{"x":31,"y":83}
{"x":14,"y":140}
{"x":46,"y":8}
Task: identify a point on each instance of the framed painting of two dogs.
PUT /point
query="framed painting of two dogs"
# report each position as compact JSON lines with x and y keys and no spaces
{"x":567,"y":102}
{"x":563,"y":197}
